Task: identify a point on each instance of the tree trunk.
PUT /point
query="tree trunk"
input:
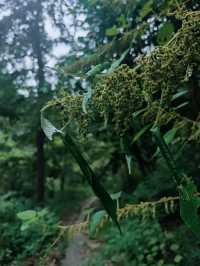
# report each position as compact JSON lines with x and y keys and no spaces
{"x":40,"y":166}
{"x":40,"y":138}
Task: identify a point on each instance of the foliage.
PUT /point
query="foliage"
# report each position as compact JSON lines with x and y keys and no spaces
{"x":145,"y":243}
{"x":25,"y":235}
{"x":127,"y":99}
{"x":144,"y":95}
{"x":89,"y":175}
{"x":149,"y":86}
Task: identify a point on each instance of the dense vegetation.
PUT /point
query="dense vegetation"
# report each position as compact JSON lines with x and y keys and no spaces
{"x":121,"y":109}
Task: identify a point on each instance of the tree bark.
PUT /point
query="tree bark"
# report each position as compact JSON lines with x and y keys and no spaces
{"x":40,"y":167}
{"x":40,"y":137}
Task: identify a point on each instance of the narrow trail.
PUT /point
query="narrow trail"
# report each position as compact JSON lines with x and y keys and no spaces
{"x":79,"y":247}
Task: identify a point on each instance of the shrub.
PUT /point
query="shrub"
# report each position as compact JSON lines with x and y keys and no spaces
{"x":144,"y":243}
{"x":24,"y":235}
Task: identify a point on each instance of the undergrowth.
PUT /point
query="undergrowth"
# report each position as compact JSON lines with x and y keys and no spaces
{"x":145,"y":243}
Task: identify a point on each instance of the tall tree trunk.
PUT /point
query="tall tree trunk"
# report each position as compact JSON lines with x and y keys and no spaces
{"x":40,"y":138}
{"x":40,"y":166}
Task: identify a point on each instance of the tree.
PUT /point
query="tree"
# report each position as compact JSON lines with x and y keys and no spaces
{"x":26,"y":49}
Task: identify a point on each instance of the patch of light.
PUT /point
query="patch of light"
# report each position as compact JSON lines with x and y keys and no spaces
{"x":52,"y":31}
{"x":60,"y":49}
{"x":5,"y":13}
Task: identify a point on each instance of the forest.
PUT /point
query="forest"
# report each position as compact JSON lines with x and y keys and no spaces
{"x":99,"y":133}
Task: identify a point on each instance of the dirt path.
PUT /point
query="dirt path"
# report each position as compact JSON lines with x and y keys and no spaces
{"x":75,"y":253}
{"x":80,"y":246}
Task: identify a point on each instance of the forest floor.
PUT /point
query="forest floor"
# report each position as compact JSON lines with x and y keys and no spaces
{"x":80,"y":247}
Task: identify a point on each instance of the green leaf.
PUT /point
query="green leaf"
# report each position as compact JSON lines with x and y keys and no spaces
{"x":116,"y":196}
{"x":117,"y":62}
{"x":174,"y":247}
{"x":126,"y":149}
{"x":86,"y":98}
{"x":94,"y":70}
{"x":146,"y":9}
{"x":122,"y":20}
{"x":140,"y":133}
{"x":139,"y":112}
{"x":189,"y":204}
{"x":168,"y":138}
{"x":48,"y":127}
{"x":167,"y":154}
{"x":97,"y":69}
{"x":24,"y":227}
{"x":165,"y":33}
{"x":43,"y":212}
{"x":129,"y":159}
{"x":27,"y":215}
{"x":107,"y":202}
{"x":181,"y":105}
{"x":179,"y":94}
{"x":178,"y":259}
{"x":95,"y":221}
{"x":113,"y":31}
{"x":170,"y":135}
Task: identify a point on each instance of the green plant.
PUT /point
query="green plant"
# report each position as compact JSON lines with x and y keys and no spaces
{"x":144,"y":243}
{"x":143,"y":96}
{"x":24,"y":235}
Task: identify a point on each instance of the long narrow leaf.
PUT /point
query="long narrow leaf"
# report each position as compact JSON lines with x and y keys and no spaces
{"x":189,"y":205}
{"x":179,"y":94}
{"x":93,"y":181}
{"x":117,"y":62}
{"x":140,"y":133}
{"x":167,"y":154}
{"x":107,"y":202}
{"x":189,"y":201}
